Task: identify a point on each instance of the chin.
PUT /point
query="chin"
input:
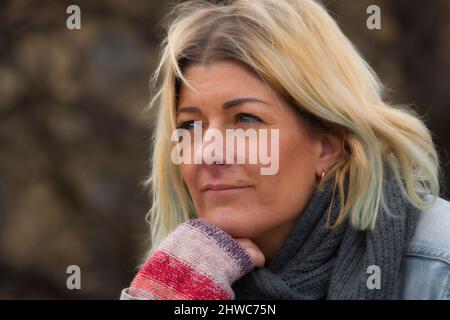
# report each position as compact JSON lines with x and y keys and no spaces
{"x":232,"y":221}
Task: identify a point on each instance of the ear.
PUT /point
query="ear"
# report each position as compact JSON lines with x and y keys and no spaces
{"x":329,"y":152}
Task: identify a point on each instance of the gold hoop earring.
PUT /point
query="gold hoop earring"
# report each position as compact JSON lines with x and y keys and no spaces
{"x":321,"y":177}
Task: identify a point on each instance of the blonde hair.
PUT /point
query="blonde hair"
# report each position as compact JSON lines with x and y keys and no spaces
{"x":296,"y":48}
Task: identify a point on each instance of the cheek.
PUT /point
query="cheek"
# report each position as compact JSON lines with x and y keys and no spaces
{"x":189,"y":175}
{"x":297,"y":160}
{"x":185,"y":173}
{"x":287,"y":192}
{"x":298,"y":168}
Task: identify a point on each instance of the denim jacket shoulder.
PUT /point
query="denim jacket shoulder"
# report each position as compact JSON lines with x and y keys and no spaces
{"x":426,"y":273}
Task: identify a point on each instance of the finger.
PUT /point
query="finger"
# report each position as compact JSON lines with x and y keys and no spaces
{"x":254,"y":252}
{"x":257,"y":257}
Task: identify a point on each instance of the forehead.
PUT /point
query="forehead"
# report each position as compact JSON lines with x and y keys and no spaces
{"x":219,"y":80}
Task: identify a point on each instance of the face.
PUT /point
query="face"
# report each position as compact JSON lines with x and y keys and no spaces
{"x":237,"y":197}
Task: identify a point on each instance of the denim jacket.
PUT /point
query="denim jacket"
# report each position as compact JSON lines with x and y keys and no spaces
{"x":426,"y":273}
{"x":426,"y":265}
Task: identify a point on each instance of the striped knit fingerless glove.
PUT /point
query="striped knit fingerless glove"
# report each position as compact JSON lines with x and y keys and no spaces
{"x":197,"y":261}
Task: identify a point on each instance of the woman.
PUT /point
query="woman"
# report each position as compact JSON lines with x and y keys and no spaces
{"x":352,"y":211}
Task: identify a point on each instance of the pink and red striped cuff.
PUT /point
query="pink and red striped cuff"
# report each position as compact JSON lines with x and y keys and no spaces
{"x":197,"y":261}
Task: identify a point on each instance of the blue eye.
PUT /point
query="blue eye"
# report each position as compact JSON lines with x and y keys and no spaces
{"x":247,"y":118}
{"x":188,"y":125}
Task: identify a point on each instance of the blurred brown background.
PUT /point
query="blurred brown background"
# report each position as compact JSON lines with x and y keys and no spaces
{"x":74,"y":141}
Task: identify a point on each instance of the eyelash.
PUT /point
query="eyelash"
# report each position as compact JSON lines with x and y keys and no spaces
{"x":183,"y":125}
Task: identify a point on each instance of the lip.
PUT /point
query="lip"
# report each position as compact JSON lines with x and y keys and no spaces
{"x":224,"y":189}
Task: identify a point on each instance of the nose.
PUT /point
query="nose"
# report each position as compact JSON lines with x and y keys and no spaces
{"x":212,"y":150}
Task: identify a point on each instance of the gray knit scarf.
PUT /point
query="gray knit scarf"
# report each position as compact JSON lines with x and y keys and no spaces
{"x":319,"y":263}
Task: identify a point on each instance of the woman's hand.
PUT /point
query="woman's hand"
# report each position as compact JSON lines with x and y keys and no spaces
{"x":197,"y":261}
{"x":254,"y":252}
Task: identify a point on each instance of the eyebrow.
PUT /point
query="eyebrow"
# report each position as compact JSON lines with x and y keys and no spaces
{"x":225,"y":105}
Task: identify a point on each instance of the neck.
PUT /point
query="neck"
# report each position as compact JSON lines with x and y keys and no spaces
{"x":271,"y":241}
